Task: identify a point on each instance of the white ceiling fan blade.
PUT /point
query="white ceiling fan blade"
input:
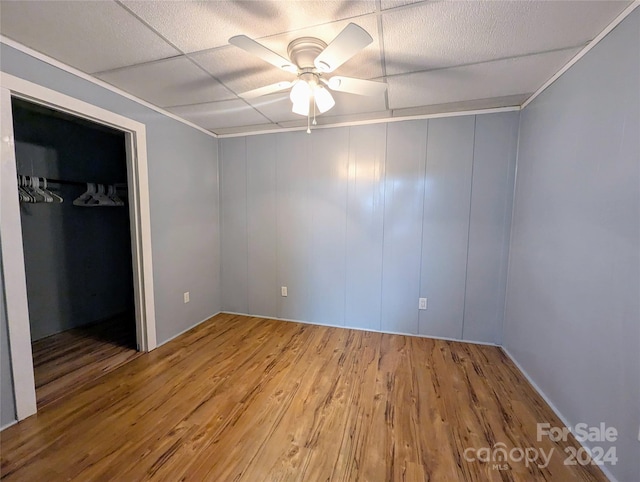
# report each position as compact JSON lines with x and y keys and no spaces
{"x":349,"y":42}
{"x":267,"y":89}
{"x":259,"y":50}
{"x":356,"y":86}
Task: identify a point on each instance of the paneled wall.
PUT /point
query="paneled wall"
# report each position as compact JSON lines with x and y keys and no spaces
{"x":360,"y":222}
{"x":7,"y":402}
{"x":573,"y":310}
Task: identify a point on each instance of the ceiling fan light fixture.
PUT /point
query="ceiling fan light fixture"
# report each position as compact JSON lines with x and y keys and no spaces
{"x":300,"y":93}
{"x":310,"y":59}
{"x":301,"y":108}
{"x":324,"y":99}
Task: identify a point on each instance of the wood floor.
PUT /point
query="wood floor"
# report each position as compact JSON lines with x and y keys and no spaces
{"x":249,"y":399}
{"x":67,"y":361}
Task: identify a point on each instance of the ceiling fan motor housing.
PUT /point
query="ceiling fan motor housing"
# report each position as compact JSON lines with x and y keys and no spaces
{"x":303,"y":51}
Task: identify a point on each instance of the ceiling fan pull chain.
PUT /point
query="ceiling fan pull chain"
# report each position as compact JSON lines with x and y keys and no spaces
{"x":314,"y":112}
{"x":308,"y":120}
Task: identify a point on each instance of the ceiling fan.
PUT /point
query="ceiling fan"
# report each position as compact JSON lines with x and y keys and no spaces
{"x":311,"y":59}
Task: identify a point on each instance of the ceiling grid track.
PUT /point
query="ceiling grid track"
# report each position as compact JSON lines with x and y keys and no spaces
{"x":188,"y":57}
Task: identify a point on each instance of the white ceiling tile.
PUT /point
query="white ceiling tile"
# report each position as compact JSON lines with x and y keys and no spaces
{"x":228,"y":113}
{"x":381,"y":114}
{"x":387,"y":4}
{"x":194,"y":26}
{"x":237,"y":130}
{"x":293,"y":123}
{"x":467,"y":105}
{"x":442,"y":34}
{"x":350,"y":104}
{"x":276,"y":107}
{"x":239,"y":70}
{"x":172,"y":82}
{"x":89,"y":35}
{"x":479,"y":81}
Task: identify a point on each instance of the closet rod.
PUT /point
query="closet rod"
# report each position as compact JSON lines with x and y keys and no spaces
{"x":60,"y":181}
{"x":78,"y":183}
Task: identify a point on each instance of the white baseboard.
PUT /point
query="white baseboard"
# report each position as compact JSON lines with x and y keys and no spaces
{"x":362,"y":329}
{"x":187,"y":329}
{"x":562,"y":418}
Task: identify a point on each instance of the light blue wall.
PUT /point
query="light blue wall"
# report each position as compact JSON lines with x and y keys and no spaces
{"x":7,"y":402}
{"x":359,"y":222}
{"x":183,"y":184}
{"x":572,"y":312}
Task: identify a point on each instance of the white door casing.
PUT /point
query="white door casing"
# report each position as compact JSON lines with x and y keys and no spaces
{"x":11,"y":233}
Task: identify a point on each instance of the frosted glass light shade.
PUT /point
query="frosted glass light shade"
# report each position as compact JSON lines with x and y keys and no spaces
{"x":300,"y":96}
{"x":324,"y":99}
{"x":301,"y":92}
{"x":301,"y":108}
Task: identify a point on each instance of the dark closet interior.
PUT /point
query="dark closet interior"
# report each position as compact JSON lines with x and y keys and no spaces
{"x":77,"y":257}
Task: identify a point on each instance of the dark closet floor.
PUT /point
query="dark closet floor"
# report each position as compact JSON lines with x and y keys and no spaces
{"x":67,"y":361}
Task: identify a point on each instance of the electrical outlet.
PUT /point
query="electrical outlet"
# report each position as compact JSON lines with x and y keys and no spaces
{"x":422,"y":303}
{"x":283,"y":291}
{"x":186,"y":297}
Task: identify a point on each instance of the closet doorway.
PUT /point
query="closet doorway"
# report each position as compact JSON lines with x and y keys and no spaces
{"x":72,"y":185}
{"x":88,"y":278}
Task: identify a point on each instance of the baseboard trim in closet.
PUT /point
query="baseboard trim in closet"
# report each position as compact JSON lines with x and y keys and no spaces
{"x":347,"y":327}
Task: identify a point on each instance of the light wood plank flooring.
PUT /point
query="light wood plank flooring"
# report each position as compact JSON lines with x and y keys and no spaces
{"x":249,"y":399}
{"x":67,"y":361}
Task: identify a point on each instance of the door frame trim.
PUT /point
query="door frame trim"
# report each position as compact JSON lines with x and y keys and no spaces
{"x":13,"y":270}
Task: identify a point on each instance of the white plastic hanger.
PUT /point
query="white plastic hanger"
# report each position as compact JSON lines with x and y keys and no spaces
{"x":35,"y":186}
{"x":113,"y":195}
{"x":56,"y":198}
{"x":23,"y":192}
{"x":85,"y":197}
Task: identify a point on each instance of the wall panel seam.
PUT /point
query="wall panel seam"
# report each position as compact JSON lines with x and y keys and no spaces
{"x":511,"y":231}
{"x":466,"y":266}
{"x":424,"y":202}
{"x":384,"y":212}
{"x":246,"y":220}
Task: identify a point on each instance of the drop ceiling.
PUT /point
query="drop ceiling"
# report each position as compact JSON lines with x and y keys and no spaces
{"x":435,"y":56}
